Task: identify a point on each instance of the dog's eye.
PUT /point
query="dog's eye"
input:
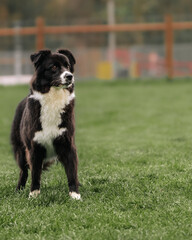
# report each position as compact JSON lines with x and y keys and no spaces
{"x":54,"y":68}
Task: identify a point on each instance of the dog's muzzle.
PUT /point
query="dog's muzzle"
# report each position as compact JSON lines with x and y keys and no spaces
{"x":66,"y":80}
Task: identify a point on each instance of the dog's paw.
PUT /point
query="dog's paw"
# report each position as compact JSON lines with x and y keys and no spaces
{"x":34,"y":194}
{"x":75,"y":195}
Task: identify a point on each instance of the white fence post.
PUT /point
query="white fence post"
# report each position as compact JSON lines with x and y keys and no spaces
{"x":17,"y":52}
{"x":112,"y":36}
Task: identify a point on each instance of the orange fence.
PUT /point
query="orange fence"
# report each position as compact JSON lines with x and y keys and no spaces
{"x":168,"y":27}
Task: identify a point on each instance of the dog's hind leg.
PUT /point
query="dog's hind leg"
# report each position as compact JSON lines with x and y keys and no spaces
{"x":21,"y":160}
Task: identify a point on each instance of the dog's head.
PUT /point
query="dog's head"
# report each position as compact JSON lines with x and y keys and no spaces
{"x":53,"y":70}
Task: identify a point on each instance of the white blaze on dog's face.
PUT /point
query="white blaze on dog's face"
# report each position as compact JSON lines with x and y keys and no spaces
{"x":67,"y":78}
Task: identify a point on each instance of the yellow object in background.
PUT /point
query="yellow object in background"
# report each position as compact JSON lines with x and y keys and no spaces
{"x":133,"y":70}
{"x":104,"y":70}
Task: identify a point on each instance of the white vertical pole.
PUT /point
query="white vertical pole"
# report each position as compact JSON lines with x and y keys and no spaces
{"x":112,"y":36}
{"x":17,"y":53}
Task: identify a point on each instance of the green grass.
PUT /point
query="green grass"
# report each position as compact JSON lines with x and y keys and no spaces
{"x":134,"y":143}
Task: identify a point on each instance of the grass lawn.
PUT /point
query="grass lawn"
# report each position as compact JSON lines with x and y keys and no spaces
{"x":134,"y":143}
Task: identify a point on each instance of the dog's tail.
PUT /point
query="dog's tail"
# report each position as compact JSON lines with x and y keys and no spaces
{"x":47,"y":164}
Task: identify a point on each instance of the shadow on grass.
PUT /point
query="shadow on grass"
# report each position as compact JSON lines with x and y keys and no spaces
{"x":94,"y":189}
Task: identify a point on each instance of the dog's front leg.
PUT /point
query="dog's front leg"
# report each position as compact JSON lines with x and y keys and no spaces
{"x":37,"y":154}
{"x":71,"y":165}
{"x":67,"y":155}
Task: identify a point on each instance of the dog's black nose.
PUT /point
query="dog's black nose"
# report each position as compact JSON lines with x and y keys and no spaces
{"x":68,"y":77}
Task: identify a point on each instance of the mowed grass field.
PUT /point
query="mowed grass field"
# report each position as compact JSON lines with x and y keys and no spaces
{"x":134,"y":143}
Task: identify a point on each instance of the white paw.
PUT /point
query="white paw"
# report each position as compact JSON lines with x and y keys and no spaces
{"x":75,"y":195}
{"x":34,"y":194}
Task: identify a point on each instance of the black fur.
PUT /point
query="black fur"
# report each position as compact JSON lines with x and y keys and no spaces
{"x":29,"y":153}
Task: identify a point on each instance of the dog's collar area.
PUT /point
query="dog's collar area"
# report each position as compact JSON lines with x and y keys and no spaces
{"x":61,"y":87}
{"x":38,"y":94}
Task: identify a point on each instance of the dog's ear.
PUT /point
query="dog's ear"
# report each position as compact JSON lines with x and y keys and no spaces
{"x":37,"y":58}
{"x":70,"y":56}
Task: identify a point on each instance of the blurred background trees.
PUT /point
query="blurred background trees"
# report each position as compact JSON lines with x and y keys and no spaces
{"x":90,"y":11}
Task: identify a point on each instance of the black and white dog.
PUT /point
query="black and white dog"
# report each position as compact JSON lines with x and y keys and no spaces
{"x":43,"y":127}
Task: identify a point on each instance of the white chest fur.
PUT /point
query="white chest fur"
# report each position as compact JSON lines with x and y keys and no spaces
{"x":52,"y":106}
